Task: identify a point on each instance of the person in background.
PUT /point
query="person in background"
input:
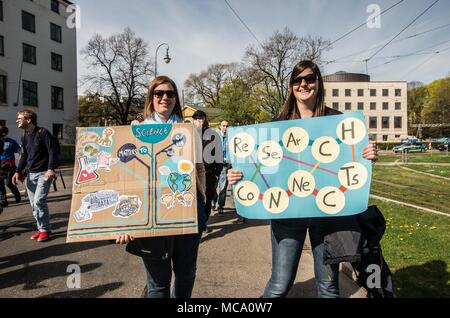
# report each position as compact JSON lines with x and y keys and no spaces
{"x":40,"y":157}
{"x":221,"y":191}
{"x":212,"y":158}
{"x":162,"y":254}
{"x":8,"y":163}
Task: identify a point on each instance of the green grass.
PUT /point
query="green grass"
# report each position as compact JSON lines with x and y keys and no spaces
{"x":443,"y":171}
{"x":414,"y":188}
{"x":435,"y":157}
{"x":416,"y":248}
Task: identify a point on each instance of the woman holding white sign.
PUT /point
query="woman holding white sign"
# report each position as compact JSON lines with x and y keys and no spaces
{"x":305,"y":100}
{"x":159,"y":254}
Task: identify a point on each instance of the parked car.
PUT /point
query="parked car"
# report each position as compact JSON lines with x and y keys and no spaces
{"x":416,"y":147}
{"x":443,"y":147}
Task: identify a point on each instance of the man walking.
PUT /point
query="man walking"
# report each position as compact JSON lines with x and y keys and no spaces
{"x":223,"y":181}
{"x":8,"y":163}
{"x":40,"y":158}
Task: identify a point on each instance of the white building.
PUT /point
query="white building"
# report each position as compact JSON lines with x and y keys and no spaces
{"x":384,"y":104}
{"x":38,"y":65}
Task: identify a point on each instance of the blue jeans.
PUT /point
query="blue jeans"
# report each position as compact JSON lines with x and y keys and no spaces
{"x":38,"y":189}
{"x":288,"y":237}
{"x":184,"y":260}
{"x":222,"y":187}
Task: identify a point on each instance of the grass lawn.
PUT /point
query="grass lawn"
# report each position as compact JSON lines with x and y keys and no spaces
{"x":416,"y":248}
{"x":436,"y":157}
{"x":443,"y":171}
{"x":414,"y":188}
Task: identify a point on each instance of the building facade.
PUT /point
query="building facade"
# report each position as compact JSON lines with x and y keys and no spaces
{"x":38,"y":65}
{"x":384,"y":104}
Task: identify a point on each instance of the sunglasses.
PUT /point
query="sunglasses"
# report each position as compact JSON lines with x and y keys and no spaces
{"x":309,"y":79}
{"x":160,"y":94}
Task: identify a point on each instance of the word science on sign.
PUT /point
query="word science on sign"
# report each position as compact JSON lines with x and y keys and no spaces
{"x":301,"y":168}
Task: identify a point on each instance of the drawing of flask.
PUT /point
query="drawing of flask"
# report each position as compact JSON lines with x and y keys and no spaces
{"x":85,"y":174}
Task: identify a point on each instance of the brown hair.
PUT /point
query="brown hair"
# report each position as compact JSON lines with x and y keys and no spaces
{"x":149,"y":108}
{"x":29,"y":114}
{"x":290,"y":109}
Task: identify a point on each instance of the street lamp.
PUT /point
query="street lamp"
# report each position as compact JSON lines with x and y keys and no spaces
{"x":166,"y":58}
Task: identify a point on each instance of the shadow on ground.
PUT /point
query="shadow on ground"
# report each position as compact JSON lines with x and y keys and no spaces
{"x":429,"y":280}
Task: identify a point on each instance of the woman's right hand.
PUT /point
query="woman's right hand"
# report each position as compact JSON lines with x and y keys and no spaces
{"x":234,"y":176}
{"x":124,"y":239}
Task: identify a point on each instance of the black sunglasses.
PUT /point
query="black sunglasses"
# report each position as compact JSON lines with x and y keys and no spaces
{"x":160,"y":94}
{"x":309,"y":79}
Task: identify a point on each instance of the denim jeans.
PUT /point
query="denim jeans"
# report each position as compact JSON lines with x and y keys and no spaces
{"x":38,"y":189}
{"x":222,"y":187}
{"x":184,"y":260}
{"x":288,"y":237}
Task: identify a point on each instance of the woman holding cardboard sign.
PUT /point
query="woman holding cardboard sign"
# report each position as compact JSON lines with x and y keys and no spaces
{"x":159,"y":254}
{"x":305,"y":100}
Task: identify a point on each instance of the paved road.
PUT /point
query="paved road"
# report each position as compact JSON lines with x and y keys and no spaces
{"x":234,"y":259}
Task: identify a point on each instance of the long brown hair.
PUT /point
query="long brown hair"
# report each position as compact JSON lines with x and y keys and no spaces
{"x":149,"y":108}
{"x":290,"y":109}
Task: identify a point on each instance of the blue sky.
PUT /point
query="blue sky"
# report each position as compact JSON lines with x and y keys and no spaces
{"x":204,"y":32}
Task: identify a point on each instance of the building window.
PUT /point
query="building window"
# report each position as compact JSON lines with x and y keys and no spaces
{"x":397,"y":136}
{"x":372,"y":122}
{"x":28,"y":22}
{"x":3,"y":89}
{"x":385,"y":106}
{"x":373,"y":93}
{"x":335,"y":93}
{"x":55,"y":32}
{"x":336,"y":106}
{"x":360,"y":92}
{"x":1,"y":10}
{"x":398,"y":92}
{"x":348,"y":106}
{"x":57,"y":98}
{"x":385,"y":137}
{"x":55,"y":6}
{"x":348,"y":93}
{"x":30,"y":93}
{"x":385,"y":122}
{"x":398,"y":106}
{"x":2,"y":46}
{"x":398,"y":122}
{"x":360,"y":106}
{"x":58,"y":131}
{"x":385,"y":92}
{"x":57,"y":62}
{"x":373,"y":106}
{"x":29,"y":53}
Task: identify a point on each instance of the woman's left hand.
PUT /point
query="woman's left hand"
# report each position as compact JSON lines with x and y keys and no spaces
{"x":371,"y":152}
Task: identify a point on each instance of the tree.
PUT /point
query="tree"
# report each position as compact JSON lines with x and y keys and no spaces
{"x":239,"y":105}
{"x":273,"y":63}
{"x":204,"y":89}
{"x":119,"y":71}
{"x":416,"y":101}
{"x":436,"y":108}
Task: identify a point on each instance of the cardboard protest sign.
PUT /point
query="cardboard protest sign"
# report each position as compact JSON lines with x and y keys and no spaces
{"x":138,"y":179}
{"x":301,"y":168}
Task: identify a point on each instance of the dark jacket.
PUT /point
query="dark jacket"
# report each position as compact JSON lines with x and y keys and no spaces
{"x":40,"y":153}
{"x":212,"y":168}
{"x":359,"y":243}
